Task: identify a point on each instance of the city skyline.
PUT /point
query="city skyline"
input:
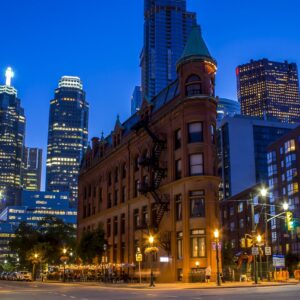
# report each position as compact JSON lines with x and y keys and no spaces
{"x":92,"y":65}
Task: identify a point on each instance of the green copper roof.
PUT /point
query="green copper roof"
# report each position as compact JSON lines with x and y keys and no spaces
{"x":195,"y":45}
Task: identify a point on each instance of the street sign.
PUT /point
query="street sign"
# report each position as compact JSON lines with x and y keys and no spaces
{"x":278,"y":261}
{"x":214,"y":244}
{"x":268,"y":251}
{"x":255,"y":251}
{"x":139,"y":257}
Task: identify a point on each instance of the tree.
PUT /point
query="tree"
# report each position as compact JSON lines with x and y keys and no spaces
{"x":48,"y":240}
{"x":91,"y":245}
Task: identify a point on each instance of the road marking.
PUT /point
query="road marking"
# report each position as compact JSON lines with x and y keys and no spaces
{"x":73,"y":297}
{"x":64,"y":295}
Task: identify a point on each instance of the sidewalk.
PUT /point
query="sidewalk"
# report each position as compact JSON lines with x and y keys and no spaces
{"x":178,"y":285}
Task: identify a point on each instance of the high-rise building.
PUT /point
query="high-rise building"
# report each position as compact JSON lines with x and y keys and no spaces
{"x":284,"y":186}
{"x":227,"y":108}
{"x":166,"y":27}
{"x":136,"y":99}
{"x":12,"y":131}
{"x":243,"y":151}
{"x":269,"y":90}
{"x":32,"y":169}
{"x":67,"y":136}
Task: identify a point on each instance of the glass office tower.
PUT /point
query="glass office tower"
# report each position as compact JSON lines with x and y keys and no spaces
{"x":166,"y":28}
{"x":67,"y":137}
{"x":12,"y":131}
{"x":32,"y":169}
{"x":269,"y":90}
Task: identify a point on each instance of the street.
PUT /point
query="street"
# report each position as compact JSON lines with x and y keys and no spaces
{"x":47,"y":291}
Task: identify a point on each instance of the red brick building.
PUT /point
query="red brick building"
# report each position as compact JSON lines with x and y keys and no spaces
{"x":156,"y":174}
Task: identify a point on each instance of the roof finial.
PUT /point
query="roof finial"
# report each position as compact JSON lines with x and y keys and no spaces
{"x":9,"y":74}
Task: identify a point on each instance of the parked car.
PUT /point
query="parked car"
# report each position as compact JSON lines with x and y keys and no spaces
{"x":24,"y":276}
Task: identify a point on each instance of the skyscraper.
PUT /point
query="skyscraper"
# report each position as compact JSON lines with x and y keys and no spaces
{"x":269,"y":90}
{"x":32,"y":169}
{"x":12,"y":131}
{"x":136,"y":99}
{"x":166,"y":28}
{"x":67,"y":136}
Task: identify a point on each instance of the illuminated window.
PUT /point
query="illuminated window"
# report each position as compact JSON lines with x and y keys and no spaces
{"x":197,"y":204}
{"x":198,"y":244}
{"x":179,"y":245}
{"x":193,"y":86}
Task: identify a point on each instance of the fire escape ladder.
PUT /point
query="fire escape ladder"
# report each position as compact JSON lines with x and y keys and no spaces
{"x":158,"y":173}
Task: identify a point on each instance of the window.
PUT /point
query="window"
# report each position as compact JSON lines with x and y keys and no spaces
{"x":109,"y":202}
{"x":290,"y":159}
{"x":198,"y":245}
{"x":292,"y":188}
{"x":123,"y":223}
{"x":124,"y":171}
{"x":116,"y":197}
{"x":145,"y":215}
{"x":136,"y":218}
{"x":272,"y":170}
{"x":100,"y":200}
{"x":241,"y":223}
{"x":196,"y":164}
{"x":290,"y":174}
{"x":197,"y":204}
{"x":136,"y":188}
{"x":231,"y":210}
{"x":195,"y":132}
{"x":179,"y":245}
{"x":178,"y":204}
{"x":289,"y":146}
{"x":115,"y":225}
{"x":232,"y":226}
{"x":213,"y":133}
{"x":241,"y":207}
{"x":109,"y":179}
{"x":193,"y":86}
{"x":116,"y":175}
{"x":177,"y":139}
{"x":178,"y":169}
{"x":123,"y":199}
{"x":136,"y":163}
{"x":108,"y":228}
{"x":271,"y":157}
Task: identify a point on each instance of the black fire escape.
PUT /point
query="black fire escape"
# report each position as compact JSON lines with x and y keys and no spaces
{"x":157,"y":174}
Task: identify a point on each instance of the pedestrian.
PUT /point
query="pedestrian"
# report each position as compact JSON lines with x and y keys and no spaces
{"x":207,"y":274}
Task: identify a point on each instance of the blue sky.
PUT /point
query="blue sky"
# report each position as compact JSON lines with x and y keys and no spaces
{"x":100,"y":41}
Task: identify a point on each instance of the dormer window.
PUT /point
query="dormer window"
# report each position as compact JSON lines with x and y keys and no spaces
{"x":193,"y":86}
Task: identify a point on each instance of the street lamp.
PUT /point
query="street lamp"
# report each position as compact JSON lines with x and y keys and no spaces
{"x":35,"y":257}
{"x":285,"y":206}
{"x":151,"y":241}
{"x":259,"y":243}
{"x":64,"y":259}
{"x":217,"y":235}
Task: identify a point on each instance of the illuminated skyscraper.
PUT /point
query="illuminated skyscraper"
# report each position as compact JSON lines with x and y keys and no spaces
{"x":269,"y":90}
{"x":166,"y":28}
{"x":12,"y":130}
{"x":32,"y":169}
{"x":67,"y":136}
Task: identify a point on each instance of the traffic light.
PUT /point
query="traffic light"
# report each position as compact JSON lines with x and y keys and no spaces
{"x":289,"y":221}
{"x":243,"y":243}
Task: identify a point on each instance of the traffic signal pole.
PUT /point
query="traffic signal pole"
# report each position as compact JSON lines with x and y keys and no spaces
{"x":253,"y":238}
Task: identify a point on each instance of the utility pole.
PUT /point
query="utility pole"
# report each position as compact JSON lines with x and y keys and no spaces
{"x":254,"y":238}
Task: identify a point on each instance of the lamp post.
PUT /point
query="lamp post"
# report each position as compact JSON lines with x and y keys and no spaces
{"x":35,"y":256}
{"x":64,"y":259}
{"x":151,"y":241}
{"x":216,"y":235}
{"x":259,"y":239}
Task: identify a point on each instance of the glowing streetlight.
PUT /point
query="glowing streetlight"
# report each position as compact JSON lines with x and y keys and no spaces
{"x":263,"y":192}
{"x":216,"y":236}
{"x":64,"y":251}
{"x":151,"y":239}
{"x":36,"y":255}
{"x":259,"y":238}
{"x":285,"y":206}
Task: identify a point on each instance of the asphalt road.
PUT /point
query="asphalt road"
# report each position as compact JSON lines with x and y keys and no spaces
{"x":41,"y":291}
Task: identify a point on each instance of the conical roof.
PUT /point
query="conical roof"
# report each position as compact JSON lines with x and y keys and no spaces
{"x":195,"y":46}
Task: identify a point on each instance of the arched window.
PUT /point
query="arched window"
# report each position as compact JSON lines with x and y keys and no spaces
{"x":193,"y":86}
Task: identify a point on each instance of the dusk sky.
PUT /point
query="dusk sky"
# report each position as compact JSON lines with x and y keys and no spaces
{"x":100,"y":41}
